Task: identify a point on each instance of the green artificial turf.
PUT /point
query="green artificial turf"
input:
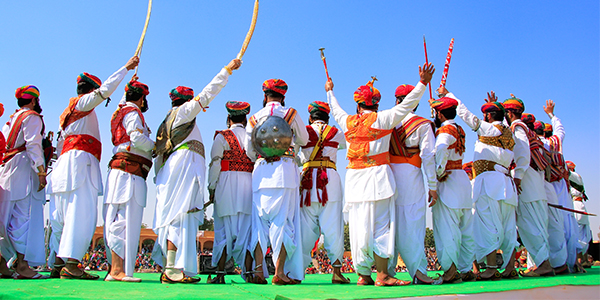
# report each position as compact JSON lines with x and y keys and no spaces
{"x":314,"y":287}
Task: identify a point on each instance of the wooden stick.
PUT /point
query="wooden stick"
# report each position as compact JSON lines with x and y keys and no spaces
{"x":250,"y":32}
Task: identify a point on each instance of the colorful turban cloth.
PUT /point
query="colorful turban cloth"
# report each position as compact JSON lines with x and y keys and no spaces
{"x":27,"y":92}
{"x":537,"y":125}
{"x":275,"y":85}
{"x":468,"y":167}
{"x":514,"y":104}
{"x":181,"y":92}
{"x":528,"y":118}
{"x":237,"y":108}
{"x":318,"y":106}
{"x":444,"y":103}
{"x":404,"y":90}
{"x":547,"y":127}
{"x":571,"y":165}
{"x":93,"y":80}
{"x":491,"y":107}
{"x":1,"y":109}
{"x":367,"y":95}
{"x":137,"y":87}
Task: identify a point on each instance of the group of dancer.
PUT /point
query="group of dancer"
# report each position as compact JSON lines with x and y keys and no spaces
{"x":398,"y":163}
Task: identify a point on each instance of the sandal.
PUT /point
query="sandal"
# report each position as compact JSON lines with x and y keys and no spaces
{"x":434,"y":281}
{"x":278,"y":281}
{"x":396,"y":282}
{"x":496,"y":276}
{"x":468,"y":276}
{"x":343,"y":280}
{"x":65,"y":274}
{"x":55,"y":273}
{"x":457,"y":278}
{"x":564,"y":269}
{"x":218,"y":279}
{"x":362,"y":281}
{"x":36,"y":276}
{"x":186,"y":279}
{"x":512,"y":274}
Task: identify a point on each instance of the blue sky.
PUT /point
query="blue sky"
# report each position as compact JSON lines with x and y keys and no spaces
{"x":536,"y":50}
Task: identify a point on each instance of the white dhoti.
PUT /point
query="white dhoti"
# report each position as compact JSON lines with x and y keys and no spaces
{"x":22,"y":229}
{"x":179,"y":188}
{"x":494,"y":228}
{"x":410,"y":235}
{"x":327,"y":220}
{"x":276,"y":222}
{"x":232,"y":233}
{"x":570,"y":224}
{"x":453,"y":232}
{"x":532,"y":220}
{"x":556,"y":230}
{"x":584,"y":231}
{"x":372,"y":232}
{"x":124,"y":198}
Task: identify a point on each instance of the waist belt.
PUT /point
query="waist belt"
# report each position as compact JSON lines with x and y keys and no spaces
{"x":481,"y":166}
{"x":414,"y":160}
{"x":275,"y":158}
{"x":324,"y":163}
{"x":454,"y":165}
{"x":238,"y":166}
{"x":10,"y":153}
{"x":131,"y":163}
{"x":83,"y":142}
{"x":192,"y":145}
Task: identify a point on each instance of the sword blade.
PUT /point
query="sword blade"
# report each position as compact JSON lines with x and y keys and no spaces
{"x":571,"y":210}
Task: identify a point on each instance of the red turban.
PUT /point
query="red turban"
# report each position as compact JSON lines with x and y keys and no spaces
{"x":367,"y":95}
{"x":537,"y":125}
{"x":275,"y":85}
{"x":404,"y":90}
{"x":27,"y":92}
{"x":491,"y":107}
{"x":137,"y":87}
{"x":547,"y":127}
{"x":95,"y":81}
{"x":444,"y":103}
{"x":181,"y":92}
{"x":528,"y":118}
{"x":318,"y":105}
{"x":571,"y":165}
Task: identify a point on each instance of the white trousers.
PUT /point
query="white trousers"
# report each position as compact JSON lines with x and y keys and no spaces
{"x":453,"y":232}
{"x":571,"y":226}
{"x":122,"y":227}
{"x":532,"y":220}
{"x":232,"y":233}
{"x":276,"y":222}
{"x":494,"y":228}
{"x":182,"y":233}
{"x":327,"y":220}
{"x":410,"y":236}
{"x":584,"y":235}
{"x":73,"y":220}
{"x":372,"y":229}
{"x":556,"y":238}
{"x":22,"y":229}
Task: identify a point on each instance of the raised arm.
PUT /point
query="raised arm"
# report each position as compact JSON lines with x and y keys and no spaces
{"x":557,"y":127}
{"x":338,"y":113}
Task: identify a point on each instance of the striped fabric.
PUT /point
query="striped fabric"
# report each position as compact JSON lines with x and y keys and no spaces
{"x":399,"y":135}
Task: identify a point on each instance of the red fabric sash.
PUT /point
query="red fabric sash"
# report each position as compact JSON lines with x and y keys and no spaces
{"x":399,"y":135}
{"x":306,"y":182}
{"x":11,"y":150}
{"x":235,"y":159}
{"x":536,"y":147}
{"x":83,"y":142}
{"x":119,"y":133}
{"x":70,"y":114}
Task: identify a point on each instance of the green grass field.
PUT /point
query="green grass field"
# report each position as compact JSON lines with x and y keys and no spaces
{"x":314,"y":287}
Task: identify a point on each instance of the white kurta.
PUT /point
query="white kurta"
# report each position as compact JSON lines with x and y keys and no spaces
{"x":452,"y":214}
{"x":585,"y":232}
{"x":125,"y":196}
{"x":532,"y":214}
{"x":275,"y":198}
{"x":494,"y":193}
{"x":369,"y":191}
{"x":180,"y":187}
{"x":21,"y":204}
{"x":411,"y":198}
{"x":556,"y":230}
{"x":76,"y":182}
{"x":233,"y":202}
{"x":328,"y":219}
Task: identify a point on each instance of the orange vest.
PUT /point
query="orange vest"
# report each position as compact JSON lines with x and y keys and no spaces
{"x":359,"y":134}
{"x":70,"y":114}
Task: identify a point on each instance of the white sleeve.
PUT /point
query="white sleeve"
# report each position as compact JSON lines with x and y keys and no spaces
{"x":252,"y":154}
{"x":216,"y":154}
{"x":339,"y":115}
{"x":522,"y":152}
{"x":481,"y":127}
{"x":300,"y":132}
{"x":426,"y":145}
{"x":189,"y":110}
{"x":341,"y":139}
{"x":32,"y":133}
{"x":392,"y":117}
{"x":135,"y":128}
{"x":93,"y":99}
{"x":557,"y":128}
{"x":442,"y":142}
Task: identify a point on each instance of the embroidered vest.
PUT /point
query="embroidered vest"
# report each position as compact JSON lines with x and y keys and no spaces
{"x":359,"y":134}
{"x":11,"y":148}
{"x":235,"y":159}
{"x":168,"y":137}
{"x":458,"y":133}
{"x":70,"y":114}
{"x":119,"y":133}
{"x":319,"y":162}
{"x":504,"y":140}
{"x":536,"y":147}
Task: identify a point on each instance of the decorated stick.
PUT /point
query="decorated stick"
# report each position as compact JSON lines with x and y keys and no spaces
{"x":138,"y":51}
{"x":250,"y":32}
{"x":447,"y":65}
{"x":427,"y":62}
{"x":570,"y":209}
{"x":324,"y":62}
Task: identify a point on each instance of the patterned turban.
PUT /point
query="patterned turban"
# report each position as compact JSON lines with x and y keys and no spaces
{"x":547,"y":127}
{"x":514,"y":104}
{"x":528,"y":118}
{"x":571,"y":165}
{"x":275,"y":85}
{"x":93,"y":80}
{"x":237,"y":108}
{"x":468,"y":167}
{"x":318,"y":105}
{"x":367,"y":95}
{"x":492,"y":106}
{"x":137,"y":87}
{"x":27,"y":92}
{"x":404,"y":90}
{"x":444,"y":103}
{"x":181,"y":92}
{"x":538,"y":125}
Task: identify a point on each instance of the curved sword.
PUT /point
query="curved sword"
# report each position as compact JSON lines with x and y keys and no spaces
{"x":250,"y":32}
{"x":138,"y":51}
